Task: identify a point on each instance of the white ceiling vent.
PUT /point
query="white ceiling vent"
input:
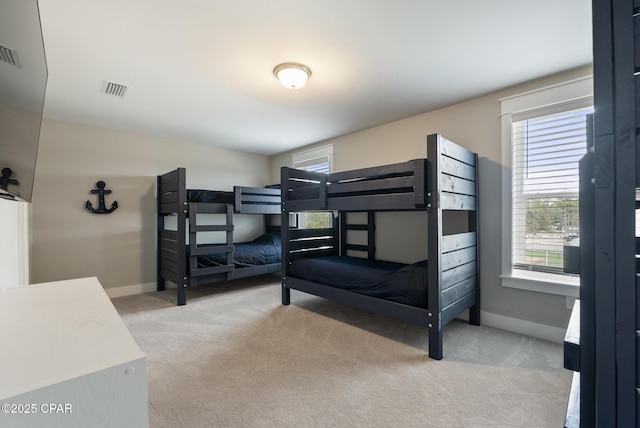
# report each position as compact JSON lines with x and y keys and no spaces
{"x":114,"y":89}
{"x":9,"y":56}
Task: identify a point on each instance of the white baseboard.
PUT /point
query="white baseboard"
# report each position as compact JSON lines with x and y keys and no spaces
{"x":540,"y":331}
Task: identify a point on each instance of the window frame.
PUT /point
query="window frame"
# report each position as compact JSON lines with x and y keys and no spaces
{"x":570,"y":95}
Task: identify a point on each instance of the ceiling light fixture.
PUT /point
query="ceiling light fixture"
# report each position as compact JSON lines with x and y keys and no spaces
{"x":292,"y":75}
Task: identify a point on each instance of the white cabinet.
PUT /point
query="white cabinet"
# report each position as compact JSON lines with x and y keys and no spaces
{"x":68,"y":360}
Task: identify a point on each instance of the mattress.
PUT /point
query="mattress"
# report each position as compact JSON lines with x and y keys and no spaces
{"x":391,"y":281}
{"x":263,"y":250}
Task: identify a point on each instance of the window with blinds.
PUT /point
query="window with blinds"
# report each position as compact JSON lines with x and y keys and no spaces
{"x":545,"y":182}
{"x":317,"y":160}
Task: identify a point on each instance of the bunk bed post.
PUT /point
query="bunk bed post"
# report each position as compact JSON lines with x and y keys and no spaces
{"x":229,"y":239}
{"x":284,"y":233}
{"x":371,"y":234}
{"x":160,"y":286}
{"x":181,"y":226}
{"x":434,"y":240}
{"x":474,"y":225}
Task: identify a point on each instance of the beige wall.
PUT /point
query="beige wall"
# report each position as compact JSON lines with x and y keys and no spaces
{"x":118,"y":248}
{"x":474,"y":124}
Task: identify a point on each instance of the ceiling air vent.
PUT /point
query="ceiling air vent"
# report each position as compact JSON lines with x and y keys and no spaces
{"x":114,"y":89}
{"x":9,"y":56}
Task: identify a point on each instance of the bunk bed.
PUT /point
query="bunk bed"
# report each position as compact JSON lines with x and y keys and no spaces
{"x":324,"y":262}
{"x":186,"y":262}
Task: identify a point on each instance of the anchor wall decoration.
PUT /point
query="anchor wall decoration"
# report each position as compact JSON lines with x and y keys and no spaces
{"x":102,"y":209}
{"x":6,"y":179}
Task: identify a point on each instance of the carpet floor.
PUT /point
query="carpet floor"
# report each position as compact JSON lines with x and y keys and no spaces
{"x":235,"y":357}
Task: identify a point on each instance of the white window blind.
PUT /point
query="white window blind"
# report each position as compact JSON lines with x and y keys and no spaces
{"x":317,"y":160}
{"x":546,"y":150}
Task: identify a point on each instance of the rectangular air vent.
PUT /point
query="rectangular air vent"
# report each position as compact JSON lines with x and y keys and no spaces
{"x":9,"y":56}
{"x":114,"y":89}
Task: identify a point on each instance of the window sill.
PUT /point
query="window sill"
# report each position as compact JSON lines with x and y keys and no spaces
{"x":543,"y":283}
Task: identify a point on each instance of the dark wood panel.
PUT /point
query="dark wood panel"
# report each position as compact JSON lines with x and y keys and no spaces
{"x":458,"y":169}
{"x":449,"y":183}
{"x":200,"y":250}
{"x":404,"y":184}
{"x":452,"y":201}
{"x":408,"y":168}
{"x":167,"y":274}
{"x":393,"y":202}
{"x":248,"y":271}
{"x":458,"y":241}
{"x":462,"y":304}
{"x":171,"y":235}
{"x":165,"y":209}
{"x":208,"y":208}
{"x":212,"y":228}
{"x":457,"y":258}
{"x":458,"y":291}
{"x":210,"y":270}
{"x":259,"y":209}
{"x":453,"y":150}
{"x":314,"y":243}
{"x":168,"y":198}
{"x":459,"y":273}
{"x":309,"y":233}
{"x":170,"y":266}
{"x":167,"y":254}
{"x":171,"y":176}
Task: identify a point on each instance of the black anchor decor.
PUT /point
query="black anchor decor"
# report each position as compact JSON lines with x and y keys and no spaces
{"x":100,"y":190}
{"x":6,"y":179}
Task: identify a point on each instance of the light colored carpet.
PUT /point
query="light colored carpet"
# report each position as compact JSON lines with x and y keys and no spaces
{"x":235,"y":357}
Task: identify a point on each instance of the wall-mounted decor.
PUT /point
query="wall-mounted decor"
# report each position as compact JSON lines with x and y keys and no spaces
{"x":6,"y":179}
{"x":102,"y":209}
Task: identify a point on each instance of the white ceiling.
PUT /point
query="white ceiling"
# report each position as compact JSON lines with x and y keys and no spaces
{"x":201,"y":70}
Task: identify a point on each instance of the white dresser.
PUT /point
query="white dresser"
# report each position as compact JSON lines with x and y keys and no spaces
{"x":68,"y":360}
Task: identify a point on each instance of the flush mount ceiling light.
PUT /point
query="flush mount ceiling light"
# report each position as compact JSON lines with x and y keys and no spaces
{"x":292,"y":75}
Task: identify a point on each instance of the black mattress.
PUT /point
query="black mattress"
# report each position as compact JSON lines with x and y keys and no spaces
{"x":263,"y":250}
{"x":396,"y":282}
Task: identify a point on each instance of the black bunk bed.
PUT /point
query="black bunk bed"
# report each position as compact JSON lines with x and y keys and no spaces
{"x":429,"y":293}
{"x":186,"y":262}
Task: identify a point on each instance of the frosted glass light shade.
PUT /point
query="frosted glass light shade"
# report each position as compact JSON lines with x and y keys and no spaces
{"x":292,"y":75}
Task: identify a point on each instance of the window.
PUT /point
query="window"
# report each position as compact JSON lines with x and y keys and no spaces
{"x":543,"y":139}
{"x":545,"y":184}
{"x":318,"y":160}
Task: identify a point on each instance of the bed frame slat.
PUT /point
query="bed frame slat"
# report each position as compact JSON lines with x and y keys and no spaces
{"x":387,"y":202}
{"x":408,"y":168}
{"x":452,"y":150}
{"x":454,"y":309}
{"x":458,"y":290}
{"x":212,"y":228}
{"x":457,"y":258}
{"x":458,"y":241}
{"x":313,"y":243}
{"x":200,"y":251}
{"x":455,"y":275}
{"x":457,"y":168}
{"x":457,"y":185}
{"x":452,"y":201}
